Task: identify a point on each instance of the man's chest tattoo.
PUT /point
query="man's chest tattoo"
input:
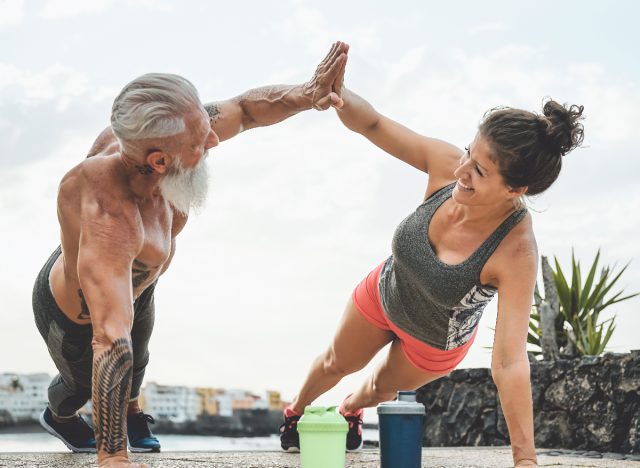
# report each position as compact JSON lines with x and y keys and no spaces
{"x":84,"y":309}
{"x":139,"y":273}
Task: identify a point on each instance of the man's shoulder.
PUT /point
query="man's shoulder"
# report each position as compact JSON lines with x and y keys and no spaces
{"x":96,"y":181}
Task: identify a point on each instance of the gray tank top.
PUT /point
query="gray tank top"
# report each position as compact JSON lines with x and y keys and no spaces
{"x":437,"y":303}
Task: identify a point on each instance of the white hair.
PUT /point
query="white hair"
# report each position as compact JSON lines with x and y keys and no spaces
{"x":153,"y":106}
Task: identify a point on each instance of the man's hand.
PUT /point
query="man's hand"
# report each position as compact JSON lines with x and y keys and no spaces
{"x":121,"y":463}
{"x":529,"y":463}
{"x":325,"y":87}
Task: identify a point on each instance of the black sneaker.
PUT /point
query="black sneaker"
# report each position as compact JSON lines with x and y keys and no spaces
{"x":354,"y":434}
{"x":289,"y":437}
{"x":141,"y":439}
{"x":75,"y":434}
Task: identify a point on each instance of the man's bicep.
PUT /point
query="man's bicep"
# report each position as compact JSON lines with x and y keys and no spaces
{"x":108,"y":246}
{"x":227,"y":118}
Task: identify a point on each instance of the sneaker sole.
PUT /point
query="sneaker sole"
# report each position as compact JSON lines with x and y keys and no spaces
{"x":291,"y":449}
{"x":53,"y":432}
{"x":143,"y":450}
{"x":359,"y":448}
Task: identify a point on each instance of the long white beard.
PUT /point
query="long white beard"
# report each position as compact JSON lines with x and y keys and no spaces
{"x":185,"y":188}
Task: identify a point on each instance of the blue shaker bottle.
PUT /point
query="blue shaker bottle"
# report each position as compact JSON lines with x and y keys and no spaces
{"x":401,"y":425}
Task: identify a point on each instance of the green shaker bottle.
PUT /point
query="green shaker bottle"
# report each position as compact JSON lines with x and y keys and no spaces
{"x":323,"y":437}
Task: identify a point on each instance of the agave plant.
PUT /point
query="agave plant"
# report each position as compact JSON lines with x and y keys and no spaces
{"x":578,"y":327}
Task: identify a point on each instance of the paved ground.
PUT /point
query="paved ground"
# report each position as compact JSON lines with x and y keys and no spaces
{"x":466,"y":457}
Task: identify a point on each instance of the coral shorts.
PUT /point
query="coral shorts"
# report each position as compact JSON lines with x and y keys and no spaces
{"x":366,"y":298}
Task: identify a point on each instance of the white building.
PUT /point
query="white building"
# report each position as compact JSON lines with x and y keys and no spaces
{"x":225,"y":405}
{"x":176,"y":404}
{"x":24,"y":396}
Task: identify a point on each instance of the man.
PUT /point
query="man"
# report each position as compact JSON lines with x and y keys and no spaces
{"x":120,"y":211}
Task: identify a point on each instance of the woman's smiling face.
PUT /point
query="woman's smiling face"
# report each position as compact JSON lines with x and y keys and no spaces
{"x":479,"y":181}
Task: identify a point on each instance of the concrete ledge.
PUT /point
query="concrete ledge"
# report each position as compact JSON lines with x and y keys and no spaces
{"x":458,"y":457}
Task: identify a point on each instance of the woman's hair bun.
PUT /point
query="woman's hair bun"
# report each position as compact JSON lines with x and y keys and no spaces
{"x":562,"y":128}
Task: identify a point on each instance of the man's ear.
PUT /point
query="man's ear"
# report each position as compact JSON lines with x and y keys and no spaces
{"x":158,"y":161}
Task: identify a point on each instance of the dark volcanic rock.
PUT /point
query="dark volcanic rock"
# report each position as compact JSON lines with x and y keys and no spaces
{"x":553,"y":429}
{"x":590,"y":404}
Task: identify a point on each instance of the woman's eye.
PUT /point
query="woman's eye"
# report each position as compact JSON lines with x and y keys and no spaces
{"x":478,"y":171}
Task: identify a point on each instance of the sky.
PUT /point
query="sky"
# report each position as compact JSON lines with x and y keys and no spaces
{"x":300,"y":212}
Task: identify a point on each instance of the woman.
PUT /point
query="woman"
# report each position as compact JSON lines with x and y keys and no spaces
{"x":471,"y":238}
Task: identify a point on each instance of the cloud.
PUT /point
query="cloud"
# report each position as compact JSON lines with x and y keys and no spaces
{"x":310,"y":26}
{"x":487,"y":28}
{"x":11,"y":12}
{"x":58,"y":9}
{"x":45,"y":108}
{"x":56,"y":82}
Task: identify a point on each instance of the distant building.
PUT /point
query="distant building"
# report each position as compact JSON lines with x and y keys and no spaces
{"x":225,"y":404}
{"x":176,"y":404}
{"x":24,"y":396}
{"x":274,"y":400}
{"x":207,"y":403}
{"x":243,"y":400}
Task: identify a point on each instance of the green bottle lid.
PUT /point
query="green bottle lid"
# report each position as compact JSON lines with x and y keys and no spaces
{"x":322,"y":419}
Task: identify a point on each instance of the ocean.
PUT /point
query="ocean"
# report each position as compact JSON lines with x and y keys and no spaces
{"x":43,"y":442}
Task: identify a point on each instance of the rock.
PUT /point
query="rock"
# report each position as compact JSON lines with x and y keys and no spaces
{"x":571,"y":392}
{"x":633,"y":437}
{"x":587,"y":404}
{"x":593,"y":454}
{"x":501,"y":425}
{"x":600,"y":420}
{"x":465,"y":405}
{"x":435,"y":432}
{"x":479,"y":374}
{"x":613,"y":456}
{"x":459,"y":375}
{"x":553,"y":429}
{"x":489,"y":419}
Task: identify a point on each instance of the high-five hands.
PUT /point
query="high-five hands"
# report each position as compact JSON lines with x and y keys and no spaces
{"x":325,"y":87}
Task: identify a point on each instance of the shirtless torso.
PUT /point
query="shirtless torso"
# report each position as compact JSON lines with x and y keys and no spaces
{"x":151,"y":224}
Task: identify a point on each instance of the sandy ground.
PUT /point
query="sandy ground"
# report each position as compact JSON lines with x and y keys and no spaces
{"x":466,"y":457}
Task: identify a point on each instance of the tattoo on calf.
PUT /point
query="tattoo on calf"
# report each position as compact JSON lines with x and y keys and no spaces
{"x":213,"y":110}
{"x":111,"y":386}
{"x":139,"y":273}
{"x":84,"y":308}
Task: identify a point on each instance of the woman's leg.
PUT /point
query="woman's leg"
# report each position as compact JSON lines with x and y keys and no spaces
{"x":354,"y":345}
{"x":395,"y":373}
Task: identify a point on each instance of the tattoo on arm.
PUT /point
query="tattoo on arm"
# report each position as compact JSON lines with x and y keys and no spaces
{"x":84,"y":309}
{"x":214,"y":111}
{"x":111,"y":386}
{"x":139,"y":273}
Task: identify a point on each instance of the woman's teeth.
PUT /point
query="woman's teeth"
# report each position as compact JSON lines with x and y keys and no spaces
{"x":464,"y":187}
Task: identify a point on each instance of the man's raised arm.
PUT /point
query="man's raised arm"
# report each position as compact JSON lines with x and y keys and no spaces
{"x":271,"y":104}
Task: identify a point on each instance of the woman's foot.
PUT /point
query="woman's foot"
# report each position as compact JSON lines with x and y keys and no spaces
{"x":289,"y":437}
{"x":354,"y":434}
